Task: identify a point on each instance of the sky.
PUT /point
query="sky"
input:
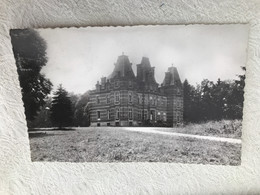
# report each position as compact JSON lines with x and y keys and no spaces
{"x":79,"y":57}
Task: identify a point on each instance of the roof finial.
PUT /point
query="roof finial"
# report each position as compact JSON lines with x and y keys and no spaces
{"x":123,"y":53}
{"x":172,"y":64}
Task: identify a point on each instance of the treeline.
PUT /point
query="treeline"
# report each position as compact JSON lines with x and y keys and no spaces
{"x":41,"y":109}
{"x":214,"y":101}
{"x":206,"y":101}
{"x":63,"y":109}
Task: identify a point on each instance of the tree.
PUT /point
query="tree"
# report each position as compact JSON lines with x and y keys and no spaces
{"x":30,"y":54}
{"x":188,"y":97}
{"x":43,"y":117}
{"x":61,"y":109}
{"x":81,"y":114}
{"x":214,"y":101}
{"x":236,"y":101}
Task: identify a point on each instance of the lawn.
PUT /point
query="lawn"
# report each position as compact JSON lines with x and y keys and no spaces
{"x":103,"y":144}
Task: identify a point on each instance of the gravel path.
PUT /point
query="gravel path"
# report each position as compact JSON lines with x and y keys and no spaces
{"x":153,"y":130}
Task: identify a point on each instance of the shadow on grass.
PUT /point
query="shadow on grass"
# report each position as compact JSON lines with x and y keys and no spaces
{"x":40,"y":134}
{"x":43,"y":134}
{"x":51,"y":129}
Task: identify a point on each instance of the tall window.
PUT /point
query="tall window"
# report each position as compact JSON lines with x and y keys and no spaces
{"x":139,"y":115}
{"x":164,"y":116}
{"x":108,"y":99}
{"x":98,"y":100}
{"x":117,"y":98}
{"x":108,"y":114}
{"x":164,"y":102}
{"x":130,"y":113}
{"x":145,"y":114}
{"x":140,"y":99}
{"x":98,"y":114}
{"x":159,"y":116}
{"x":117,"y":114}
{"x":130,"y":97}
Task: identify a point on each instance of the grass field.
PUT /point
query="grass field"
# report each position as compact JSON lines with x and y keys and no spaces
{"x":112,"y":144}
{"x":223,"y":128}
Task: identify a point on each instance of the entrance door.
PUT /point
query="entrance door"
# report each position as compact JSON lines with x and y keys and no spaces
{"x":152,"y":115}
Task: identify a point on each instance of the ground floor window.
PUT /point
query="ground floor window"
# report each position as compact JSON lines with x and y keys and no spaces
{"x":108,"y":114}
{"x":152,"y":115}
{"x":98,"y":114}
{"x":139,"y":115}
{"x":130,"y":113}
{"x":145,"y":114}
{"x":164,"y":116}
{"x":117,"y":114}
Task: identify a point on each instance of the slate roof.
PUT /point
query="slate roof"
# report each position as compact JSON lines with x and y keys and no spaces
{"x":123,"y":68}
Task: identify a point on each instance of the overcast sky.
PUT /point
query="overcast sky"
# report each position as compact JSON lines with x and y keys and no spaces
{"x":78,"y":57}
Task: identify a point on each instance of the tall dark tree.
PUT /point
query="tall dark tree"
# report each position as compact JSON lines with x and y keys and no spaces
{"x":61,"y":109}
{"x":188,"y":102}
{"x":237,"y":98}
{"x":30,"y":54}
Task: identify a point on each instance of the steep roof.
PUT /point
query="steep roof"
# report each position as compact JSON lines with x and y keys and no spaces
{"x":145,"y":72}
{"x":171,"y":77}
{"x":145,"y":62}
{"x":123,"y":68}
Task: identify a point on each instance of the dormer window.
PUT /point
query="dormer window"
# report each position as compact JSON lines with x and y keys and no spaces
{"x":116,"y":84}
{"x":130,"y":84}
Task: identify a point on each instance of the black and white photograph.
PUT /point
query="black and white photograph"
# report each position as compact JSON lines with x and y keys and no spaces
{"x":166,"y":93}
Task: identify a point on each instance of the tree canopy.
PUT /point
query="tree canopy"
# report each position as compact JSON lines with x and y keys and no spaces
{"x":61,"y":108}
{"x":29,"y":50}
{"x":214,"y":101}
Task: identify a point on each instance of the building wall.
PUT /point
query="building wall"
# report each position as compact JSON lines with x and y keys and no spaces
{"x":140,"y":104}
{"x":136,"y":98}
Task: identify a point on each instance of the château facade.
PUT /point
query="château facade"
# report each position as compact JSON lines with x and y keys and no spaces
{"x":123,"y":99}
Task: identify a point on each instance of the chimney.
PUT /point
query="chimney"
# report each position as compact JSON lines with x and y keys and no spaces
{"x":103,"y":80}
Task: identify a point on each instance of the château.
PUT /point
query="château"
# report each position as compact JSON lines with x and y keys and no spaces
{"x":126,"y":99}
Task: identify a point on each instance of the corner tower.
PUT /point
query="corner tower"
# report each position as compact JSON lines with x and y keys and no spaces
{"x":173,"y":89}
{"x":123,"y":68}
{"x":145,"y":75}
